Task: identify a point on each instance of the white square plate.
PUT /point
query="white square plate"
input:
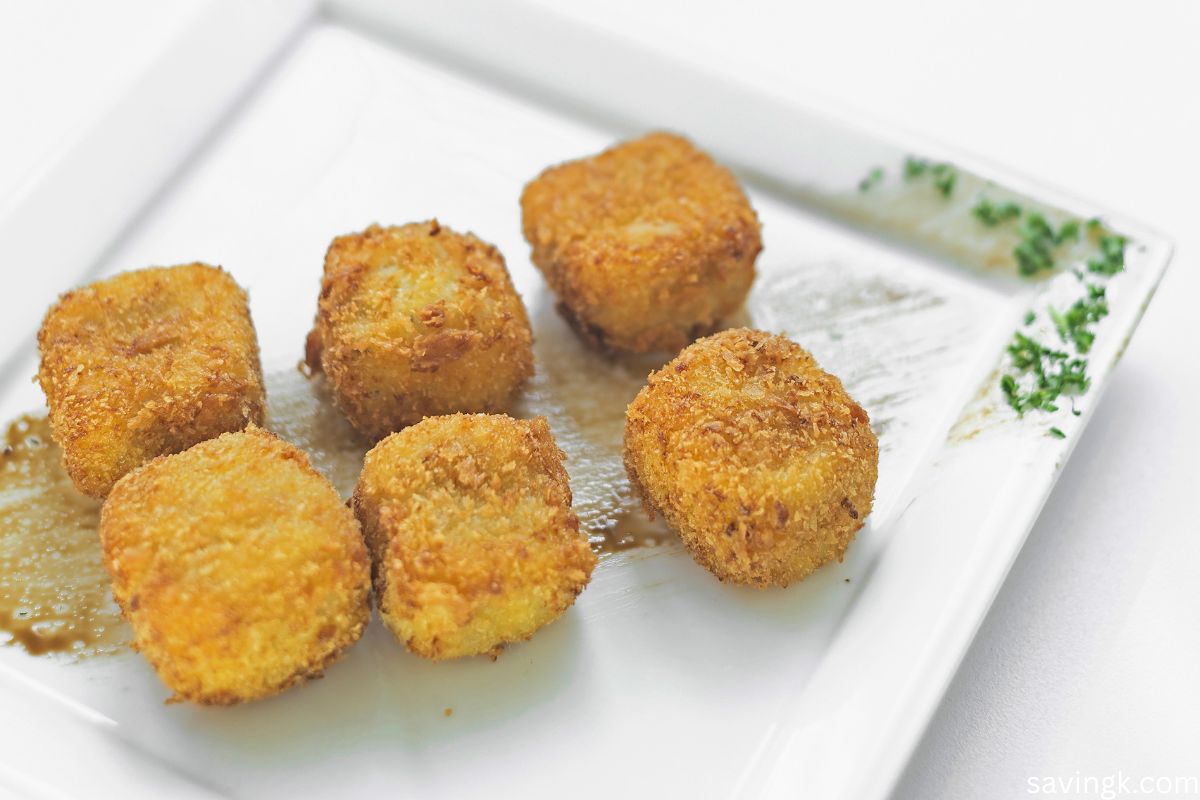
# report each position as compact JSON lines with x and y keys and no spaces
{"x":661,"y":679}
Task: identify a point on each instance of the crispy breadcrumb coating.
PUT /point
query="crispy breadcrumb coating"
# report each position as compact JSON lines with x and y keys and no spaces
{"x":415,"y":321}
{"x":755,"y":455}
{"x":144,"y":364}
{"x":240,"y":569}
{"x":647,"y":245}
{"x":473,"y":540}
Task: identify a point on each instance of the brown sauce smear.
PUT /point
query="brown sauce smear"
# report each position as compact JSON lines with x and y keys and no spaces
{"x":300,"y":409}
{"x":54,"y":590}
{"x":632,"y":531}
{"x":55,"y":594}
{"x":583,"y":395}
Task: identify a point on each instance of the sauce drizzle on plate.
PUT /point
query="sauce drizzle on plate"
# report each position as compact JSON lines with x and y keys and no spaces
{"x":54,"y":590}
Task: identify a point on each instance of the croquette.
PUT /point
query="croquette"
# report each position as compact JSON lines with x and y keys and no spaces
{"x":144,"y":364}
{"x":416,"y":321}
{"x":239,"y":567}
{"x":474,"y":544}
{"x":647,"y":245}
{"x":755,"y":455}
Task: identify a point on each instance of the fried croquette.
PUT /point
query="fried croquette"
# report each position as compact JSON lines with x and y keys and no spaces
{"x":474,"y":544}
{"x":415,"y":321}
{"x":144,"y":364}
{"x":755,"y":455}
{"x":647,"y":245}
{"x":239,"y":567}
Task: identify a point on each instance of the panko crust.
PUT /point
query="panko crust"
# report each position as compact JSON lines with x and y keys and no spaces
{"x":239,"y":567}
{"x":473,"y":540}
{"x":147,"y":363}
{"x":647,"y":245}
{"x":755,"y":455}
{"x":416,"y":321}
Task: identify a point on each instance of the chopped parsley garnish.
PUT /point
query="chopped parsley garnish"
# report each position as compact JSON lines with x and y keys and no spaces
{"x":1047,"y":374}
{"x":872,"y":178}
{"x":992,"y":214}
{"x":944,"y":178}
{"x":1075,"y":324}
{"x":1112,"y":256}
{"x":1040,"y":375}
{"x":1035,"y":252}
{"x":944,"y":174}
{"x":1068,"y":231}
{"x":914,"y":167}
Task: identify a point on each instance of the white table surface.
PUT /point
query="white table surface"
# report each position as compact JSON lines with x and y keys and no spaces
{"x":1088,"y":663}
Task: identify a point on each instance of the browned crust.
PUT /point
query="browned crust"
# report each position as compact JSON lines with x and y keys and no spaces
{"x":239,"y":568}
{"x":647,"y":245}
{"x":146,"y":363}
{"x":755,"y":455}
{"x":415,"y":321}
{"x":474,"y":544}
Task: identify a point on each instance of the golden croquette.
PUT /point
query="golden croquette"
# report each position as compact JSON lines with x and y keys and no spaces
{"x":147,"y":363}
{"x":474,"y":544}
{"x":239,"y":567}
{"x":755,"y":455}
{"x":647,"y":245}
{"x":415,"y":321}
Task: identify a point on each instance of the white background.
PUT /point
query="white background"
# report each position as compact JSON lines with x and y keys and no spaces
{"x":1089,"y":662}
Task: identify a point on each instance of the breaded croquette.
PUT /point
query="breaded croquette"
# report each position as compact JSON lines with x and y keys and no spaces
{"x":416,"y":321}
{"x":755,"y":455}
{"x":147,"y":363}
{"x":647,"y":245}
{"x":473,"y":540}
{"x":240,"y":569}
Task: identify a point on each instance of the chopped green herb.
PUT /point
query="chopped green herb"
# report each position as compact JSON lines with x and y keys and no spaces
{"x":1113,"y":247}
{"x":1046,"y":375}
{"x":992,"y":214}
{"x":944,"y":178}
{"x":1075,"y":324}
{"x":873,"y":177}
{"x":1035,"y":252}
{"x":1068,"y":232}
{"x":1112,"y":256}
{"x":914,"y":167}
{"x":944,"y":175}
{"x":1039,"y":375}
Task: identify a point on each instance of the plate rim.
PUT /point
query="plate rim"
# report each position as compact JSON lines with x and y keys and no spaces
{"x":270,"y":29}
